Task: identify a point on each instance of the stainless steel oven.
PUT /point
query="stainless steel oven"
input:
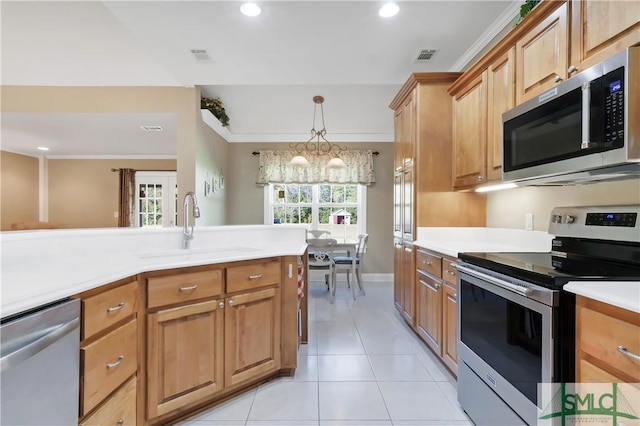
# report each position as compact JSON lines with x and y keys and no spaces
{"x":516,"y":325}
{"x":506,"y":332}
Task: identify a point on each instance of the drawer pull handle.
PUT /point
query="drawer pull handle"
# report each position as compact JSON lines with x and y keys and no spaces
{"x":117,"y":363}
{"x":255,"y":277}
{"x":116,"y":308}
{"x":625,"y":352}
{"x":120,"y":422}
{"x":231,"y":302}
{"x":193,"y":287}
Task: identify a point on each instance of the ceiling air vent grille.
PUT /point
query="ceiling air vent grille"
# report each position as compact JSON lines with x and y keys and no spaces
{"x":424,"y":55}
{"x":201,"y":54}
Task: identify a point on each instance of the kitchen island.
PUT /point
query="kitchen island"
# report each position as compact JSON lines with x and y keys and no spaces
{"x":180,"y":329}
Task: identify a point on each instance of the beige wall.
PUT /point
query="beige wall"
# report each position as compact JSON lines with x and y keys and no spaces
{"x":19,"y":177}
{"x":507,"y":209}
{"x":184,"y":102}
{"x":211,"y":161}
{"x":84,"y":193}
{"x":246,"y":199}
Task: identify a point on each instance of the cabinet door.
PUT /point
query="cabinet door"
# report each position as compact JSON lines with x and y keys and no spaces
{"x":397,"y":205}
{"x":469,"y":137}
{"x":410,"y":130}
{"x":429,"y":317}
{"x":600,"y":29}
{"x":542,"y":56}
{"x":408,"y":287}
{"x":449,"y":327}
{"x":500,"y":96}
{"x":184,"y":355}
{"x":397,"y":276}
{"x":407,"y":204}
{"x":252,"y":335}
{"x":398,"y":147}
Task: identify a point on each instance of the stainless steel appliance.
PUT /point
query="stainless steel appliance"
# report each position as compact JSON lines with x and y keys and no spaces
{"x":584,"y":129}
{"x":39,"y":367}
{"x":516,"y":326}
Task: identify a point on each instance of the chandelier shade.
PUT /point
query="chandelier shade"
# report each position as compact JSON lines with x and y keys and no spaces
{"x":317,"y":145}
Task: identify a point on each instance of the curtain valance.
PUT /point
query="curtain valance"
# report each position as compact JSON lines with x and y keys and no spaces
{"x":275,"y":168}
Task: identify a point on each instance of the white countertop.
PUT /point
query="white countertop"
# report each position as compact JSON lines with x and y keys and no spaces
{"x":623,"y":294}
{"x":40,"y":267}
{"x":451,"y":241}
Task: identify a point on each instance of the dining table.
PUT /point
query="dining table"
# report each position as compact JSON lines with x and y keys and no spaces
{"x":349,"y":245}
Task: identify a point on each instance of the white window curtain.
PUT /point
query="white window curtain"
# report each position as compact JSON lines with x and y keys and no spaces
{"x":275,"y":168}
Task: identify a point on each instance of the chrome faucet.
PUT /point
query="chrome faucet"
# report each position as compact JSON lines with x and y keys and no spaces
{"x":187,"y":234}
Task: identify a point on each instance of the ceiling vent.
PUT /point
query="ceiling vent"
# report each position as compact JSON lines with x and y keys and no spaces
{"x":425,"y":55}
{"x":152,"y":128}
{"x":201,"y":54}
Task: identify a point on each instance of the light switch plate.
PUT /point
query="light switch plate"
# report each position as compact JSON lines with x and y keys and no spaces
{"x":528,"y":221}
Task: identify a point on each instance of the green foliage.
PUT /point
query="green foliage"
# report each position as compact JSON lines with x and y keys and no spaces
{"x":526,"y":7}
{"x":217,"y":109}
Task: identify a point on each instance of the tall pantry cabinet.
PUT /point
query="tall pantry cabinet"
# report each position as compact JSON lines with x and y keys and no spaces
{"x":423,"y":195}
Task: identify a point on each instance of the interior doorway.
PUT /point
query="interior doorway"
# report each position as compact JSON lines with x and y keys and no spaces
{"x":156,"y":199}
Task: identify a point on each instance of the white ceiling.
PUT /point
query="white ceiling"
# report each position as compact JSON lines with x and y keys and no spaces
{"x":265,"y":69}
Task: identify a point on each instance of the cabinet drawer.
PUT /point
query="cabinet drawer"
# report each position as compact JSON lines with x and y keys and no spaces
{"x":107,"y":363}
{"x":246,"y":277}
{"x":103,"y":310}
{"x":119,"y":409}
{"x":448,"y":272}
{"x":429,"y":263}
{"x":184,"y":287}
{"x":600,"y":335}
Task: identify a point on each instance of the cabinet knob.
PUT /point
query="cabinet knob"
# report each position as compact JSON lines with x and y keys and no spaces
{"x":221,"y":305}
{"x":120,"y":422}
{"x":572,"y":69}
{"x":557,"y":79}
{"x":231,"y":302}
{"x":480,"y":177}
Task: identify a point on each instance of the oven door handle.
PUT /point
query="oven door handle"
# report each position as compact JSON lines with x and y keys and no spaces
{"x":500,"y":283}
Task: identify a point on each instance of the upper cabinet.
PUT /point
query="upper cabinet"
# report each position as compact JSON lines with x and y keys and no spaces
{"x":600,"y":29}
{"x":556,"y":41}
{"x":542,"y":56}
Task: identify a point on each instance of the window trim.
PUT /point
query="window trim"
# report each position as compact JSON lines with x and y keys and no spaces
{"x":315,"y":205}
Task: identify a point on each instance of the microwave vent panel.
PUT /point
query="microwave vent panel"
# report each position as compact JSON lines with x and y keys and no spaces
{"x":424,"y":56}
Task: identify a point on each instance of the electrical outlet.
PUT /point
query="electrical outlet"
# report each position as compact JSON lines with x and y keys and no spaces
{"x":115,"y":214}
{"x":528,"y":221}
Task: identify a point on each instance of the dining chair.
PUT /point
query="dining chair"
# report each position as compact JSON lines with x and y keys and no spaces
{"x":322,"y":260}
{"x":317,"y":233}
{"x":344,"y":264}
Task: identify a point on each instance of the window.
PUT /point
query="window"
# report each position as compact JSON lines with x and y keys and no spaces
{"x":156,"y":199}
{"x":337,"y":208}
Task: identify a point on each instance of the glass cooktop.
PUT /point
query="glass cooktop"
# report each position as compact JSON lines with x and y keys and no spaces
{"x":552,"y":269}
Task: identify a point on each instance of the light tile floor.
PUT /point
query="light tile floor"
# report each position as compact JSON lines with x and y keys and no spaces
{"x":363,"y":366}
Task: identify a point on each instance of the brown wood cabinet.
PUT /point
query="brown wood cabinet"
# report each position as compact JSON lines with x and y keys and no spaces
{"x":436,"y":305}
{"x":542,"y":55}
{"x":252,"y":335}
{"x":423,"y":194}
{"x":607,"y":337}
{"x":185,"y":358}
{"x":119,"y":409}
{"x":108,"y":349}
{"x":600,"y":29}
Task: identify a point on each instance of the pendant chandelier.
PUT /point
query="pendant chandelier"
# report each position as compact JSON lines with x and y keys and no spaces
{"x":317,"y":145}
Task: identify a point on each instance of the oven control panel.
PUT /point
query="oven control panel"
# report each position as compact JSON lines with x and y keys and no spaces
{"x":617,"y":223}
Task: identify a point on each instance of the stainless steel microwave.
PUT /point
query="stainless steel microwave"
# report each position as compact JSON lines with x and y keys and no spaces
{"x":584,"y":129}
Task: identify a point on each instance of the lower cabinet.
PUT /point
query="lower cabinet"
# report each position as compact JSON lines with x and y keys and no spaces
{"x":436,"y":305}
{"x":252,"y":335}
{"x":119,"y":409}
{"x":185,"y":359}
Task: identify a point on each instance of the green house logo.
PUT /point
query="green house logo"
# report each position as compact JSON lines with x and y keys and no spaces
{"x":592,"y":401}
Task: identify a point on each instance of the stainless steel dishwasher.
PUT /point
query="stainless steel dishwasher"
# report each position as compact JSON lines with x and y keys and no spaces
{"x":39,"y":366}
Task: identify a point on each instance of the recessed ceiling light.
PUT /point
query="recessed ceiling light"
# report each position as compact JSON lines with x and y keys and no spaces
{"x":250,"y":9}
{"x":388,"y":10}
{"x":152,"y":128}
{"x":43,"y":148}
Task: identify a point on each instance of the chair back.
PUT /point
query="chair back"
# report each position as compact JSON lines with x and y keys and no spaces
{"x":361,"y":248}
{"x":315,"y":233}
{"x":322,"y":249}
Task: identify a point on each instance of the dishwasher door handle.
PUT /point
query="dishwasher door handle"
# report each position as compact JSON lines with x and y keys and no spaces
{"x":27,"y":351}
